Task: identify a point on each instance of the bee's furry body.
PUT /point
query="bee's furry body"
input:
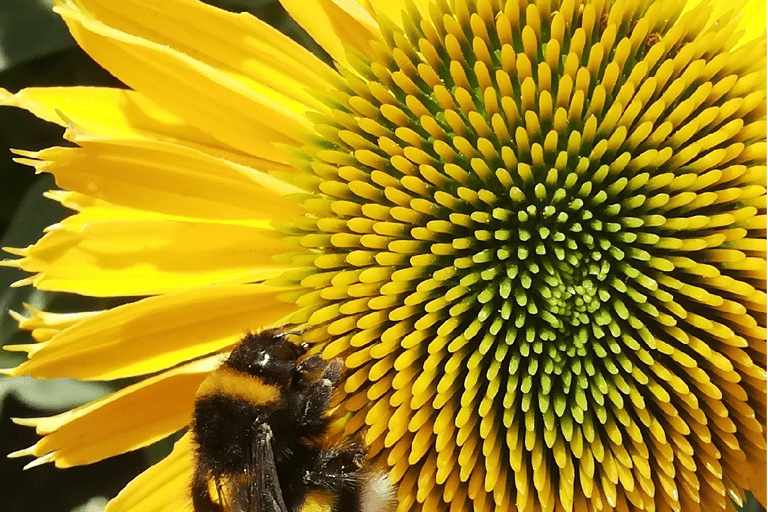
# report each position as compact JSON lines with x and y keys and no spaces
{"x":259,"y":425}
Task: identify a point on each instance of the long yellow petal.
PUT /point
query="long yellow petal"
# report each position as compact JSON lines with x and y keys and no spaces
{"x":238,"y":45}
{"x":758,"y":483}
{"x":753,"y":20}
{"x":123,"y":114}
{"x":129,"y":252}
{"x":44,"y":325}
{"x":335,"y":24}
{"x":155,"y":333}
{"x":393,"y":9}
{"x":749,"y":15}
{"x":161,"y":488}
{"x":202,"y":95}
{"x":165,"y":178}
{"x":129,"y":419}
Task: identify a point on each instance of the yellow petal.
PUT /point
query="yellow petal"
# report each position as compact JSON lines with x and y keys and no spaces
{"x":126,"y":420}
{"x":205,"y":97}
{"x":123,"y":114}
{"x":757,"y":481}
{"x":161,"y":488}
{"x":155,"y":333}
{"x":165,"y":178}
{"x":335,"y":24}
{"x":238,"y":45}
{"x":129,"y":252}
{"x":45,"y":325}
{"x":753,"y":20}
{"x":749,"y":14}
{"x":393,"y":9}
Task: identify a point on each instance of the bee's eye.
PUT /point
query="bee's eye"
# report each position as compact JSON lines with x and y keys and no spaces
{"x":262,"y":359}
{"x":265,"y":353}
{"x":283,"y":352}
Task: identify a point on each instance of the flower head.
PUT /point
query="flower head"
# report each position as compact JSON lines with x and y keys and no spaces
{"x":535,"y":233}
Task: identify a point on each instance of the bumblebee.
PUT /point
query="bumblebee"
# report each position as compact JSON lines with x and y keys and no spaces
{"x":259,"y":424}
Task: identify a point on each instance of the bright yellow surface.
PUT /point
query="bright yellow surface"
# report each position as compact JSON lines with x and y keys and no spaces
{"x":155,"y":333}
{"x":162,"y":488}
{"x":162,"y":177}
{"x":335,"y":25}
{"x":134,"y":417}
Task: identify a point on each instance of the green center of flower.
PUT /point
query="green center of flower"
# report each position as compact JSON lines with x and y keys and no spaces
{"x":524,"y":227}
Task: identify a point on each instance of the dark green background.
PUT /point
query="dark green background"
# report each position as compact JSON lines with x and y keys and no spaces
{"x":36,"y":50}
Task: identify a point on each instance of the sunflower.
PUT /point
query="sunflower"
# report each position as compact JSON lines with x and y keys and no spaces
{"x":533,"y":231}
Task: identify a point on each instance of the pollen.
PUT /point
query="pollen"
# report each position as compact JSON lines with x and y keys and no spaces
{"x":537,"y":239}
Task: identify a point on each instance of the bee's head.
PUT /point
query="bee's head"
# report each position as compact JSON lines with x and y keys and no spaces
{"x":268,"y":355}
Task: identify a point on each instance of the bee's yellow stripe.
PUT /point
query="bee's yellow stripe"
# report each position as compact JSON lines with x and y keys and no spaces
{"x":318,"y":501}
{"x":228,"y":382}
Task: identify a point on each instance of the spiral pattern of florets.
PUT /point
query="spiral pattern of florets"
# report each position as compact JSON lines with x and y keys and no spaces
{"x":535,"y":234}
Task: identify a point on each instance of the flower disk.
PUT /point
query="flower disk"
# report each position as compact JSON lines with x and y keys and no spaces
{"x":537,"y":239}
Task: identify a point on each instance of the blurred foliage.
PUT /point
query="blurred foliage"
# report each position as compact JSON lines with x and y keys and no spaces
{"x":37,"y":50}
{"x":92,"y":505}
{"x":22,"y":23}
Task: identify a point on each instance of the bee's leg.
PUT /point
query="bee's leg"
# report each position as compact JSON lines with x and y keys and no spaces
{"x":333,"y":371}
{"x":223,"y":505}
{"x":318,"y":395}
{"x":336,"y":469}
{"x":201,"y":494}
{"x":341,"y":470}
{"x":310,"y":365}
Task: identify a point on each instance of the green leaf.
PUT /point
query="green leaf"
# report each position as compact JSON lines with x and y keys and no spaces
{"x":96,"y":504}
{"x":30,"y":29}
{"x":34,"y":214}
{"x":751,"y":504}
{"x":52,"y":395}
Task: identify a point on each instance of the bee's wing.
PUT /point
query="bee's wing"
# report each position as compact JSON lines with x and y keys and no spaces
{"x":261,"y":491}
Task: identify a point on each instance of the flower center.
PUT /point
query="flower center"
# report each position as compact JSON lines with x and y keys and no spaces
{"x":503,"y":203}
{"x":475,"y":187}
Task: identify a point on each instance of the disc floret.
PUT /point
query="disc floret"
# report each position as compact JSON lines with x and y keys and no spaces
{"x":534,"y":237}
